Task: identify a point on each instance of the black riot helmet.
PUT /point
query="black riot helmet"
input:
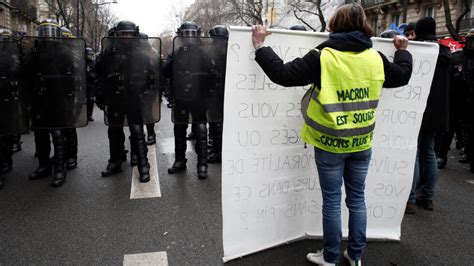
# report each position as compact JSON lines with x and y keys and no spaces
{"x":49,"y":28}
{"x":127,"y":28}
{"x":189,"y":29}
{"x":298,"y":27}
{"x":219,"y":31}
{"x":112,"y":32}
{"x":143,"y":35}
{"x":389,"y":34}
{"x":470,"y":40}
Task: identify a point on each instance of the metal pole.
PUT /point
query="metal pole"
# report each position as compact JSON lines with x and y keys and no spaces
{"x":405,"y":10}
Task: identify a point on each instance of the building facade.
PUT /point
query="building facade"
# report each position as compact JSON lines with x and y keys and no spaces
{"x":19,"y":16}
{"x":382,"y":13}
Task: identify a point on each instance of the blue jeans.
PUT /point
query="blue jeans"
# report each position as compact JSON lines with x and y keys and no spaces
{"x":426,"y":167}
{"x":333,"y":169}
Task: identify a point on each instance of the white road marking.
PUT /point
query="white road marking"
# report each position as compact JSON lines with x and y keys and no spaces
{"x":470,"y":182}
{"x":150,"y":189}
{"x":155,"y":258}
{"x":167,"y":145}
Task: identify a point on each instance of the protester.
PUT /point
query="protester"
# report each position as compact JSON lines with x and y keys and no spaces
{"x":342,"y":147}
{"x":435,"y":119}
{"x":409,"y":31}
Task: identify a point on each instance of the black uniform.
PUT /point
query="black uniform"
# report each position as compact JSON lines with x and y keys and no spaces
{"x":91,"y":87}
{"x":13,"y":102}
{"x":468,"y":71}
{"x":57,"y":77}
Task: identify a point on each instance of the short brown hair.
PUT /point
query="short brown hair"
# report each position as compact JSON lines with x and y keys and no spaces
{"x":350,"y":17}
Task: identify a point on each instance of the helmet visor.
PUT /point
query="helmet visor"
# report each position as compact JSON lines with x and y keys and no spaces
{"x":189,"y":33}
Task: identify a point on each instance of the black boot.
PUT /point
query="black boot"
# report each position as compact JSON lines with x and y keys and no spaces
{"x":59,"y":177}
{"x":216,"y":155}
{"x":16,"y":145}
{"x":59,"y":141}
{"x":112,"y":168}
{"x":179,"y":164}
{"x":441,"y":162}
{"x":140,"y":150}
{"x":151,"y":136}
{"x":71,"y":148}
{"x":144,"y":174}
{"x":41,"y":172}
{"x":201,"y":150}
{"x":151,"y":139}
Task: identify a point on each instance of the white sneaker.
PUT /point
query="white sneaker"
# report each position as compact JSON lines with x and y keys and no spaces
{"x":351,"y":261}
{"x":318,"y":258}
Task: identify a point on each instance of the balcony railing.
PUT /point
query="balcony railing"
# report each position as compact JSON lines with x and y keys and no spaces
{"x":369,"y":3}
{"x":25,"y":7}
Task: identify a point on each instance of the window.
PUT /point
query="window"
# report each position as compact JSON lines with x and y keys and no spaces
{"x":429,"y":11}
{"x":396,"y":19}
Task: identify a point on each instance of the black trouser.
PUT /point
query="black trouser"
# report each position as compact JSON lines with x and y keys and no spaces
{"x":90,"y":107}
{"x":443,"y":143}
{"x":181,"y":116}
{"x":116,"y":143}
{"x":150,"y":129}
{"x":215,"y":132}
{"x":43,"y":148}
{"x":71,"y":143}
{"x":138,"y":145}
{"x":6,"y":151}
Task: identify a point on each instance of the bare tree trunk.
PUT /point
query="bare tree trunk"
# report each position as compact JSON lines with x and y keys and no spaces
{"x":467,"y":8}
{"x":449,"y":22}
{"x":62,"y":13}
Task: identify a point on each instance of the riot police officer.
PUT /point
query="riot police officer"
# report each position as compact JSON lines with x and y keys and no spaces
{"x":55,"y":66}
{"x":215,"y":128}
{"x":115,"y":134}
{"x":193,"y":75}
{"x":468,"y":72}
{"x":130,"y":83}
{"x":13,"y":114}
{"x":91,"y":82}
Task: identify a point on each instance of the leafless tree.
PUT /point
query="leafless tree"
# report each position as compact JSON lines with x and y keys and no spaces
{"x":248,"y":12}
{"x":302,"y":10}
{"x":454,"y":31}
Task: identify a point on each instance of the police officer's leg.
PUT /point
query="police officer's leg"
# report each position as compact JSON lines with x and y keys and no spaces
{"x":43,"y":148}
{"x":181,"y":117}
{"x":180,"y":147}
{"x":71,"y":148}
{"x":117,"y":151}
{"x":90,"y":108}
{"x":16,"y":143}
{"x":2,"y":161}
{"x":137,"y":136}
{"x":59,"y":163}
{"x":7,"y":164}
{"x":201,"y":149}
{"x":216,"y":155}
{"x":151,"y":136}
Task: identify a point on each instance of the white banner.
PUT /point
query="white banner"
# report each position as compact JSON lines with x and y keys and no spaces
{"x":270,"y":186}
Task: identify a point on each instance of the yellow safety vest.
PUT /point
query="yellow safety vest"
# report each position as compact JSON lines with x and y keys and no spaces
{"x":340,"y":117}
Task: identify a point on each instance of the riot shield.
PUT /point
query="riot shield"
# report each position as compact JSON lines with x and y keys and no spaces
{"x":198,"y":79}
{"x":56,"y":71}
{"x":13,"y":112}
{"x":131,"y":80}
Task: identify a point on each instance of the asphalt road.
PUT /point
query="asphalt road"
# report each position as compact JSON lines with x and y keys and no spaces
{"x":92,"y":220}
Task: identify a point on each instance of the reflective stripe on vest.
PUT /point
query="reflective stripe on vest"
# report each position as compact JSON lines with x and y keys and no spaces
{"x":340,"y":117}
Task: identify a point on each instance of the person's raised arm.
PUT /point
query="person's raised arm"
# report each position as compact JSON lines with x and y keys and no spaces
{"x":398,"y":73}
